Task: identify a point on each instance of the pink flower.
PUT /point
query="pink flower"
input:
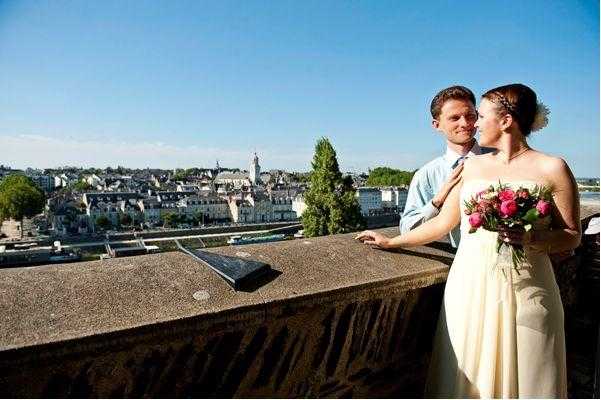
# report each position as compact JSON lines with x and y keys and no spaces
{"x":523,"y":194}
{"x":508,"y":208}
{"x":476,"y":220}
{"x":506,"y":194}
{"x":543,"y":207}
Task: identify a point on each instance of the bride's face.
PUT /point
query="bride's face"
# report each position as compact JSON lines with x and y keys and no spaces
{"x":488,"y":123}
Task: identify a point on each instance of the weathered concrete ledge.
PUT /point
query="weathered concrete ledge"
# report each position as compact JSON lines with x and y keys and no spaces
{"x":48,"y":304}
{"x":335,"y":319}
{"x":63,"y":320}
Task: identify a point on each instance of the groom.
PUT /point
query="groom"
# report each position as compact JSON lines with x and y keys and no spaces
{"x":453,"y":114}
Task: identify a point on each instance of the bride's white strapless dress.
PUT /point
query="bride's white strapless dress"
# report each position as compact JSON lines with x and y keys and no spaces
{"x":498,"y":336}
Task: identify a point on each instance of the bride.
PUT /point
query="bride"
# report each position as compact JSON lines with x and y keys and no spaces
{"x":501,"y":335}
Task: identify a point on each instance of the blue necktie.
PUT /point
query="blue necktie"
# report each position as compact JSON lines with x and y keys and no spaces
{"x":459,"y":161}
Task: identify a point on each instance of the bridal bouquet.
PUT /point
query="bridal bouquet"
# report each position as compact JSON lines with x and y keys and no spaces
{"x":501,"y":207}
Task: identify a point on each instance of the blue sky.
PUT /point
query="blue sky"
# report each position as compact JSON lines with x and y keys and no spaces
{"x":183,"y":83}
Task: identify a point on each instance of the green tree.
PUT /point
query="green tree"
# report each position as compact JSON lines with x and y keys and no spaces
{"x":199,"y":217}
{"x":331,"y":203}
{"x":81,"y":186}
{"x":103,"y":222}
{"x":20,"y":198}
{"x":170,"y":220}
{"x":125,"y":219}
{"x":384,"y":176}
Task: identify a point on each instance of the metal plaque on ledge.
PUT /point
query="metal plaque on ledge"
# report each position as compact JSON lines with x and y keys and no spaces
{"x":237,"y":272}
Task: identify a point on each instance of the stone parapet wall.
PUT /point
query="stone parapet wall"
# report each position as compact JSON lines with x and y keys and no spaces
{"x":334,"y":319}
{"x":374,"y":347}
{"x":331,"y":321}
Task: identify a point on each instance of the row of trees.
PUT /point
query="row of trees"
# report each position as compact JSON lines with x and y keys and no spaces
{"x":169,"y":220}
{"x":384,"y":176}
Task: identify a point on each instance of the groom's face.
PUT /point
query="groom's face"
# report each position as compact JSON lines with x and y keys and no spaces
{"x":456,"y":121}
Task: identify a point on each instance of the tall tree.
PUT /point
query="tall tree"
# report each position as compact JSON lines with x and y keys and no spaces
{"x":331,"y":203}
{"x":20,"y":198}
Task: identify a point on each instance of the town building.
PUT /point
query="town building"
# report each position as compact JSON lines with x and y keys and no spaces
{"x":45,"y":182}
{"x":394,"y":198}
{"x":370,"y":200}
{"x":150,"y":208}
{"x":298,"y":204}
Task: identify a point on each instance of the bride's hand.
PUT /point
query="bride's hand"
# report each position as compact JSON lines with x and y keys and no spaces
{"x":373,"y":238}
{"x":515,"y":236}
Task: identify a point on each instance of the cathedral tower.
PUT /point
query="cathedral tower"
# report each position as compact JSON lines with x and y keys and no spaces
{"x":255,"y":170}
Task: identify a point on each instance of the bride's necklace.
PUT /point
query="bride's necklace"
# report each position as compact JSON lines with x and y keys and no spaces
{"x":519,"y":153}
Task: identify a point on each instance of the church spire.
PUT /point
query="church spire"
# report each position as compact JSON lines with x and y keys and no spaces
{"x":255,"y":170}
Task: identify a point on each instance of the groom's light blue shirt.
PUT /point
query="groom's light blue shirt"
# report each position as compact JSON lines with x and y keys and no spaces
{"x":426,"y":182}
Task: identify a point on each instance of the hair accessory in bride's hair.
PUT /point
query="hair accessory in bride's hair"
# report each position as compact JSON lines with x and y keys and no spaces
{"x":505,"y":103}
{"x":541,"y":118}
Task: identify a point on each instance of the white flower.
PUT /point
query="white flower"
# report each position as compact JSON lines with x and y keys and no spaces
{"x":540,"y":118}
{"x":490,"y":195}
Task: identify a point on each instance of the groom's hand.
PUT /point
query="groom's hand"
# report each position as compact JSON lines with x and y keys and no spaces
{"x":440,"y":197}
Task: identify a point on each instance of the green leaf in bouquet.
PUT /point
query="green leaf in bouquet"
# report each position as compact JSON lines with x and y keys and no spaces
{"x":531,"y":216}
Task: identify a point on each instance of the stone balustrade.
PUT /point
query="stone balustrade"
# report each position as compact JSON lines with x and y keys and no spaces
{"x":334,"y":319}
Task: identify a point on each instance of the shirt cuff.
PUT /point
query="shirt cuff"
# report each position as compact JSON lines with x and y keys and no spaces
{"x":429,"y":211}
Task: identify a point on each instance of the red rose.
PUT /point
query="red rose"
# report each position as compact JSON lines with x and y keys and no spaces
{"x":508,"y":208}
{"x":476,"y":220}
{"x":543,"y":207}
{"x":506,"y":194}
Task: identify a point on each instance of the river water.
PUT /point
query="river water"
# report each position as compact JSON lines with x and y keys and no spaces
{"x":589,"y":197}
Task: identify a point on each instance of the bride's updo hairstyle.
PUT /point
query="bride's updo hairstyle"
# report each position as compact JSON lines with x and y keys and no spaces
{"x":517,"y":100}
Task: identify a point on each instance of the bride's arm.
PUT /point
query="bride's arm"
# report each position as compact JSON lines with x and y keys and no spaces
{"x":427,"y":232}
{"x":566,"y":231}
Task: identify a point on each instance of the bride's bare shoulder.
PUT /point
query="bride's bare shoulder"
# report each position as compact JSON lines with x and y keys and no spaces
{"x":551,"y":164}
{"x":555,"y":169}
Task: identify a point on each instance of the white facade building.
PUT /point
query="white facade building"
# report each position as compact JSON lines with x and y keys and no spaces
{"x":207,"y":208}
{"x":298,"y":205}
{"x":370,"y":199}
{"x":151,"y":209}
{"x":394,"y":197}
{"x":232,"y":180}
{"x":282,"y":209}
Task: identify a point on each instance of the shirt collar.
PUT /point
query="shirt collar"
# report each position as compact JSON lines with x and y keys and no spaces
{"x":451,"y":157}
